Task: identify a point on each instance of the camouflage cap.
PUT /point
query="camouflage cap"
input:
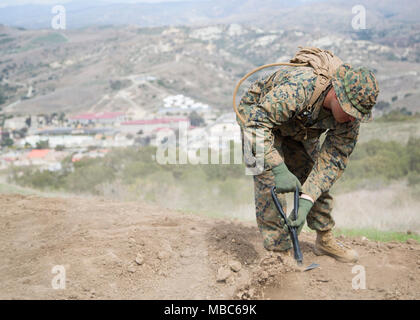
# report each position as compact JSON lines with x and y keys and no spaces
{"x":356,"y":90}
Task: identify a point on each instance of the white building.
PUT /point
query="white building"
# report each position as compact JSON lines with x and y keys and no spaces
{"x":64,"y":140}
{"x":182,"y":102}
{"x":16,"y":123}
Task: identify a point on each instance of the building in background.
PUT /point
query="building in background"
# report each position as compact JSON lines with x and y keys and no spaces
{"x":146,"y":127}
{"x":104,"y":118}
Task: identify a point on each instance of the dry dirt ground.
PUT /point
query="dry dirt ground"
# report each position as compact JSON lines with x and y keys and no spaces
{"x":130,"y":250}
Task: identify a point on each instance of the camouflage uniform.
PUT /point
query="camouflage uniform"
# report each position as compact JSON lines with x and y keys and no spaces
{"x":278,"y":106}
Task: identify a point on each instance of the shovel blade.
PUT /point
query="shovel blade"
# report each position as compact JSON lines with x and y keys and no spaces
{"x":312,"y":266}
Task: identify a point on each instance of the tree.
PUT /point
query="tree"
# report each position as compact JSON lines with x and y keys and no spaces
{"x":115,"y":85}
{"x":413,"y":148}
{"x":2,"y":98}
{"x":381,"y":105}
{"x":7,"y":142}
{"x":195,"y":119}
{"x":43,"y":144}
{"x":62,"y":117}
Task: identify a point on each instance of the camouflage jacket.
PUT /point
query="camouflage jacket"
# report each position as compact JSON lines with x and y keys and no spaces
{"x":278,"y":106}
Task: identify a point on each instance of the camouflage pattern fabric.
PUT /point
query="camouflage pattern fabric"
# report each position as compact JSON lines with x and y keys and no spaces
{"x":270,"y":224}
{"x":277,"y":107}
{"x":356,"y":90}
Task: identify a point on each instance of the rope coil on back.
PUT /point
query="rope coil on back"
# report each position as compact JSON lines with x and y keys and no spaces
{"x":254,"y":71}
{"x":323,"y":62}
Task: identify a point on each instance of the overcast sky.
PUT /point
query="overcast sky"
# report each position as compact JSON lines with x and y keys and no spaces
{"x":6,"y":3}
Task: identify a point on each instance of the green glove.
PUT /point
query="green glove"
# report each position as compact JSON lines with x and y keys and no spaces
{"x":304,"y":208}
{"x":285,"y":180}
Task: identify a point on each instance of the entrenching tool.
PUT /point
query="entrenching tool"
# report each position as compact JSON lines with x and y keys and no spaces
{"x":293,"y":230}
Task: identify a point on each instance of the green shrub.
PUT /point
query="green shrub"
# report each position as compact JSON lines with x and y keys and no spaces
{"x":413,"y":150}
{"x":376,"y":158}
{"x":398,"y":115}
{"x":137,"y":169}
{"x":85,"y":179}
{"x":43,"y":144}
{"x":35,"y":178}
{"x":414,"y":179}
{"x":372,"y":164}
{"x":45,"y":180}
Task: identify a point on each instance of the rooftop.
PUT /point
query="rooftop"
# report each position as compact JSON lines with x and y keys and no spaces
{"x":38,"y":153}
{"x":154,"y":121}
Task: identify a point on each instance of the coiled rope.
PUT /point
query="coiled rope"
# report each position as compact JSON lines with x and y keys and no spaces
{"x":256,"y":70}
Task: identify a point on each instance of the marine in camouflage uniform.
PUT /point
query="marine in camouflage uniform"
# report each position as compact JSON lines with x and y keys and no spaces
{"x":290,"y":130}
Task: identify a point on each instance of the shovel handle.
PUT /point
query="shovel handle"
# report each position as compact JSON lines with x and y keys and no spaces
{"x":292,"y":230}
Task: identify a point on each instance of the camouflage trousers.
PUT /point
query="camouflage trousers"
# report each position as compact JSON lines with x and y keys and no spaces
{"x":269,"y":221}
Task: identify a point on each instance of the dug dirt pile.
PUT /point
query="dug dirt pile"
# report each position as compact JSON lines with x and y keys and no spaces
{"x":130,"y":250}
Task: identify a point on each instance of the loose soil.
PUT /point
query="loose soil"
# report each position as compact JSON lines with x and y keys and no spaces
{"x":132,"y":250}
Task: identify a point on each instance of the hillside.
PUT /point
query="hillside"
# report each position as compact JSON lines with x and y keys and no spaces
{"x":130,"y":250}
{"x":133,"y":69}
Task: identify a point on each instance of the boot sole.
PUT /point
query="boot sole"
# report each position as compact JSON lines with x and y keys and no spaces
{"x":322,"y":252}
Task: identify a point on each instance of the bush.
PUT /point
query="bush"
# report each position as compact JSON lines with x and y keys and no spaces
{"x":6,"y":142}
{"x":414,"y":179}
{"x":3,"y":98}
{"x":369,"y":160}
{"x":383,"y":161}
{"x":35,"y":178}
{"x":195,"y":119}
{"x":45,"y":180}
{"x":398,"y":115}
{"x":413,"y":150}
{"x":381,"y":105}
{"x":44,"y":144}
{"x":135,"y":169}
{"x":87,"y":178}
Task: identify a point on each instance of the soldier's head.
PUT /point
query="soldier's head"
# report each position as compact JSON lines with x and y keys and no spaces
{"x":331,"y":102}
{"x":356,"y":91}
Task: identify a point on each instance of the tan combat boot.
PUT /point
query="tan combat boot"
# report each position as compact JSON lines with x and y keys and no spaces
{"x":326,"y":244}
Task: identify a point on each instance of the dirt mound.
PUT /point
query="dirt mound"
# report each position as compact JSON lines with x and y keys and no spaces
{"x":131,"y":250}
{"x":235,"y":240}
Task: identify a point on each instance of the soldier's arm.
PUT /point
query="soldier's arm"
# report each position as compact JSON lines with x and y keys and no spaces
{"x":335,"y":151}
{"x":277,"y":106}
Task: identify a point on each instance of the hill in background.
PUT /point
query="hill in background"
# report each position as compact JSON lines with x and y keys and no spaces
{"x":133,"y":68}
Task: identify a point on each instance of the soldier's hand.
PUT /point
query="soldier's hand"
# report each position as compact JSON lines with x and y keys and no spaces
{"x":304,"y":208}
{"x":285,"y":180}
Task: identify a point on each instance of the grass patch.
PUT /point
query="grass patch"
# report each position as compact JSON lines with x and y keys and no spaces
{"x":8,"y":188}
{"x":377,"y":235}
